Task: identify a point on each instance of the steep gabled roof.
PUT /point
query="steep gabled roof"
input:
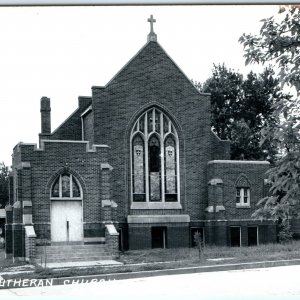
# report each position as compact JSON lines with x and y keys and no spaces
{"x":151,"y":58}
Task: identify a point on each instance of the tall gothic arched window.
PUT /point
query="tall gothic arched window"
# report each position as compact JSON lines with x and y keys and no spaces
{"x":154,"y":158}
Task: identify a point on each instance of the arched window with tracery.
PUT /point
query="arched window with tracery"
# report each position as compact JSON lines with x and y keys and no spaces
{"x":66,"y":186}
{"x":154,"y":158}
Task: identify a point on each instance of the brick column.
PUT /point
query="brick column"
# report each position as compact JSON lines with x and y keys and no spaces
{"x":216,"y":229}
{"x":11,"y":188}
{"x":21,"y":209}
{"x":18,"y":232}
{"x":112,"y":239}
{"x":105,"y":192}
{"x":30,"y":245}
{"x":8,"y":232}
{"x":215,"y":209}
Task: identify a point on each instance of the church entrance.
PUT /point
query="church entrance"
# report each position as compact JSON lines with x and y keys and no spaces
{"x":66,"y":221}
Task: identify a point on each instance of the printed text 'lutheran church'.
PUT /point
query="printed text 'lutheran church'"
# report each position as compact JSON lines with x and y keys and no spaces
{"x":135,"y":166}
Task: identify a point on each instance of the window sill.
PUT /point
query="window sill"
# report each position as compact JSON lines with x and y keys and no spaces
{"x":243,"y":206}
{"x":66,"y":198}
{"x":155,"y":205}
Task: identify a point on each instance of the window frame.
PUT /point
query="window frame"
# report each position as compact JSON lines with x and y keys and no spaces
{"x":243,"y":186}
{"x":71,"y":178}
{"x":163,"y":134}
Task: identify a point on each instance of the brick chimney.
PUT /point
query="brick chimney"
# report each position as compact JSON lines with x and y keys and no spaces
{"x":45,"y":115}
{"x":45,"y":118}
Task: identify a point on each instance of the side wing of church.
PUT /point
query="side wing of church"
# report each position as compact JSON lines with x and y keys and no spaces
{"x":135,"y":166}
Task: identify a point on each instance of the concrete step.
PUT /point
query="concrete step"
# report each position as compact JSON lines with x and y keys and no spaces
{"x":71,"y":247}
{"x":49,"y":250}
{"x":67,"y":259}
{"x":66,"y":253}
{"x":72,"y":256}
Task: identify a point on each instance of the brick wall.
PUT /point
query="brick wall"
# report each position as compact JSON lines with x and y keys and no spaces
{"x":152,"y":78}
{"x":229,"y":172}
{"x":47,"y":163}
{"x":177,"y":235}
{"x":88,"y":127}
{"x":220,"y":148}
{"x":267,"y":233}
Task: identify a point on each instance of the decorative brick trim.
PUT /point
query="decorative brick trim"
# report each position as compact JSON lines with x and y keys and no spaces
{"x":155,"y":205}
{"x":106,"y":166}
{"x":250,"y":162}
{"x":215,"y":181}
{"x":23,"y":165}
{"x":210,"y":208}
{"x":148,"y":219}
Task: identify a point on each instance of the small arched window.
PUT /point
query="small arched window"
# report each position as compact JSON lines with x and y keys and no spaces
{"x":154,"y":158}
{"x":242,"y":187}
{"x":66,"y":186}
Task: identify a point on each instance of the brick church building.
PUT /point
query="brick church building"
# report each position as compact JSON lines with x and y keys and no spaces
{"x":135,"y":166}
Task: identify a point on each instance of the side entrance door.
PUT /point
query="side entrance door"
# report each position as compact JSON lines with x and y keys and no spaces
{"x":235,"y":236}
{"x":66,"y":221}
{"x":158,"y":235}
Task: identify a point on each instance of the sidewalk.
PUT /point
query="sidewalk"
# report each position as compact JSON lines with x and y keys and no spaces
{"x":138,"y":274}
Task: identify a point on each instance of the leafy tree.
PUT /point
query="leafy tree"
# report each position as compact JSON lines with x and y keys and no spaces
{"x":225,"y":86}
{"x":4,"y":173}
{"x":241,"y":108}
{"x":279,"y":43}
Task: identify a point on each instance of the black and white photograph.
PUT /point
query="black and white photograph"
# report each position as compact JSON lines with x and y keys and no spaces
{"x":150,"y":151}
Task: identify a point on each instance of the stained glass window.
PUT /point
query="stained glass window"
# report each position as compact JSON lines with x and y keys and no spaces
{"x":75,"y":188}
{"x":66,"y":186}
{"x":154,"y":168}
{"x":55,"y":189}
{"x":157,"y":121}
{"x":138,"y":169}
{"x":170,"y":169}
{"x":154,"y":157}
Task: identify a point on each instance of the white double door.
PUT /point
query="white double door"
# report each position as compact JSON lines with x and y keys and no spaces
{"x":66,"y":221}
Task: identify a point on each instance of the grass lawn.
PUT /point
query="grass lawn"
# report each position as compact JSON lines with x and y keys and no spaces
{"x":236,"y":254}
{"x":158,"y":259}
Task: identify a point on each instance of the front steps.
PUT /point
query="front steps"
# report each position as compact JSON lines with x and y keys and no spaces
{"x":72,"y":253}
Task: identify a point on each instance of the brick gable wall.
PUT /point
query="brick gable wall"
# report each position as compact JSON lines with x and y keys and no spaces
{"x":152,"y":78}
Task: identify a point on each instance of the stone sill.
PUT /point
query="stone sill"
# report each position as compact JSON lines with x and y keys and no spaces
{"x":243,"y":206}
{"x":155,"y":205}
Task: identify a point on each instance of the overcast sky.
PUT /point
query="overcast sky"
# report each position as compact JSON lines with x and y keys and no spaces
{"x":60,"y":52}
